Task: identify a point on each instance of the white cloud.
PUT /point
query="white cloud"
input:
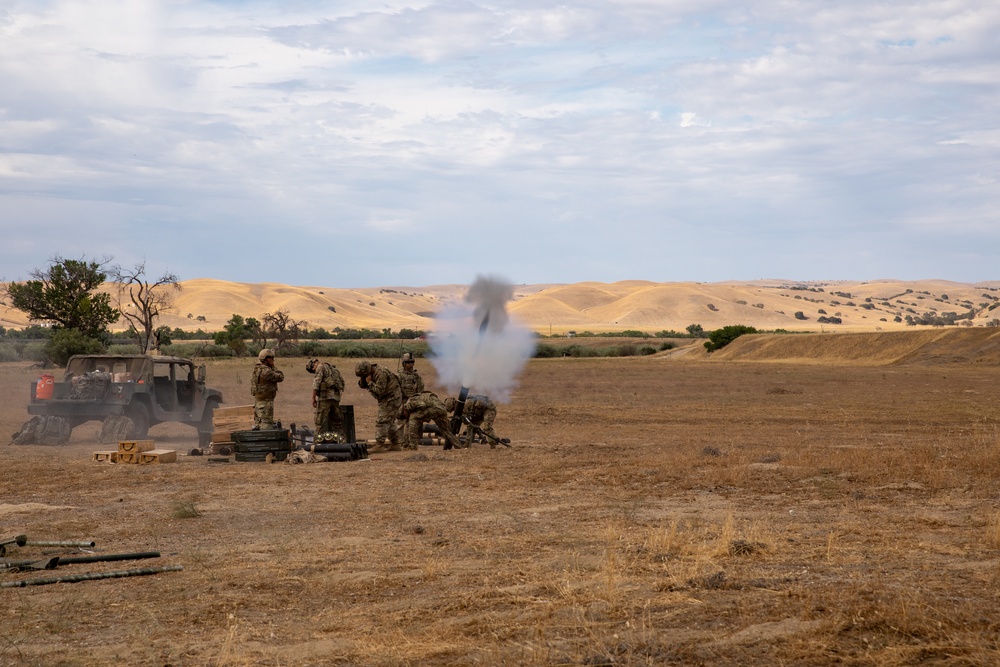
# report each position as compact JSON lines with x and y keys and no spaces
{"x":621,"y":134}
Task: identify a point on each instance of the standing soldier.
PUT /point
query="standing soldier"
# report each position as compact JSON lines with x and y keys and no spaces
{"x":481,"y":412}
{"x":327,"y":388}
{"x":427,"y":407}
{"x":410,"y":384}
{"x":264,"y":387}
{"x":383,"y":385}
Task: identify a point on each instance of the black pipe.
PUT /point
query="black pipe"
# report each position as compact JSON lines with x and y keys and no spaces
{"x":97,"y":558}
{"x":90,"y":575}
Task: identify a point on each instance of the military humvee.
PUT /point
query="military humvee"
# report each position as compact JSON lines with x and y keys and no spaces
{"x":130,"y":392}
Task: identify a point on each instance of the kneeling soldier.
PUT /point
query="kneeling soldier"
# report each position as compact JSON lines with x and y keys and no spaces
{"x":422,"y":408}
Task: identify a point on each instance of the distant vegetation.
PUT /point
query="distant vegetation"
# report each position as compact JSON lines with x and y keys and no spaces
{"x":720,"y":338}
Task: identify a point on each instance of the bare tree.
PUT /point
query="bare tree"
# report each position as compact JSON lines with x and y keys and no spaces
{"x":278,"y":327}
{"x":141,"y":300}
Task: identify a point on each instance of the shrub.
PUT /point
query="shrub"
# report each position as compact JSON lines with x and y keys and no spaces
{"x":719,"y":338}
{"x":311,"y":348}
{"x":34,"y":352}
{"x":192,"y":350}
{"x":67,"y":342}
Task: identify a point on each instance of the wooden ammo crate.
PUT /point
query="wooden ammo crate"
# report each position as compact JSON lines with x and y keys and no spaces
{"x":135,"y":446}
{"x":129,"y":457}
{"x":158,"y":456}
{"x":111,"y":456}
{"x":230,"y":411}
{"x":227,"y":420}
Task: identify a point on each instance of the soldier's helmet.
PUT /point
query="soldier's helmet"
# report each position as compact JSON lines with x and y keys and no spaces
{"x":449,"y":404}
{"x":407,"y":357}
{"x":265,"y":353}
{"x":311,"y":365}
{"x":363,"y":369}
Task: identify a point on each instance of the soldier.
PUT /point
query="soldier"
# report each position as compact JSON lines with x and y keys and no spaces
{"x":481,"y":412}
{"x":410,"y":384}
{"x":422,"y":408}
{"x":383,"y":385}
{"x":264,"y":387}
{"x":327,"y":388}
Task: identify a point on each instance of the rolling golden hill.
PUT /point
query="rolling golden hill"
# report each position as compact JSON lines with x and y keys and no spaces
{"x":844,"y":306}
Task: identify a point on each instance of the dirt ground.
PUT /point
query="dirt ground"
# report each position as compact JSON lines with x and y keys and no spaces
{"x":652,"y":511}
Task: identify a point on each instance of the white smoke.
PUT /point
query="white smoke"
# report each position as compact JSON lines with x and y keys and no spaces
{"x":478,"y":344}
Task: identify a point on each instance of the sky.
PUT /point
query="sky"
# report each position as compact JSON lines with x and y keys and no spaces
{"x":397,"y":143}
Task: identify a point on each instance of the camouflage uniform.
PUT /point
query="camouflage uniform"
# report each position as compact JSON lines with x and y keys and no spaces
{"x":384,"y":387}
{"x":264,"y":387}
{"x":327,"y":387}
{"x":427,"y":407}
{"x":410,"y":384}
{"x":481,"y":411}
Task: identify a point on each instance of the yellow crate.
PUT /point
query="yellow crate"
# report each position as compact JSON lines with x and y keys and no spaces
{"x":128,"y":457}
{"x":158,"y":456}
{"x":135,"y":446}
{"x":111,"y":456}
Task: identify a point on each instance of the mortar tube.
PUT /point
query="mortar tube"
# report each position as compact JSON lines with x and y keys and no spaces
{"x":460,"y":403}
{"x":87,"y":576}
{"x":456,"y":420}
{"x":58,"y":543}
{"x":98,"y":558}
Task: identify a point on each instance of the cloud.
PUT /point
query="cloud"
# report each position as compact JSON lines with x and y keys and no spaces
{"x":544,"y":141}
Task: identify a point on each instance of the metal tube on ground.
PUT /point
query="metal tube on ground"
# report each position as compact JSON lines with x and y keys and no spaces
{"x":97,"y":558}
{"x":87,"y":576}
{"x":58,"y":543}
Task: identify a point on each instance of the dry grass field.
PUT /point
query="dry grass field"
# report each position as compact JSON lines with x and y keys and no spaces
{"x":665,"y":510}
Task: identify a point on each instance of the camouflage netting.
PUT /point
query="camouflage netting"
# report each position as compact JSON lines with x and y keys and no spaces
{"x":92,"y":385}
{"x":116,"y":429}
{"x":302,"y":456}
{"x":43,"y":431}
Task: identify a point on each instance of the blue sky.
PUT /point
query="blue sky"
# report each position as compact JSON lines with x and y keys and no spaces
{"x":358,"y":144}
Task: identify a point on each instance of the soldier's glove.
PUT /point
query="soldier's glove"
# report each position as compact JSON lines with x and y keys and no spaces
{"x":363,"y":383}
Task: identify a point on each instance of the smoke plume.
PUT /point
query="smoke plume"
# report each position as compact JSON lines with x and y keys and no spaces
{"x":478,"y":344}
